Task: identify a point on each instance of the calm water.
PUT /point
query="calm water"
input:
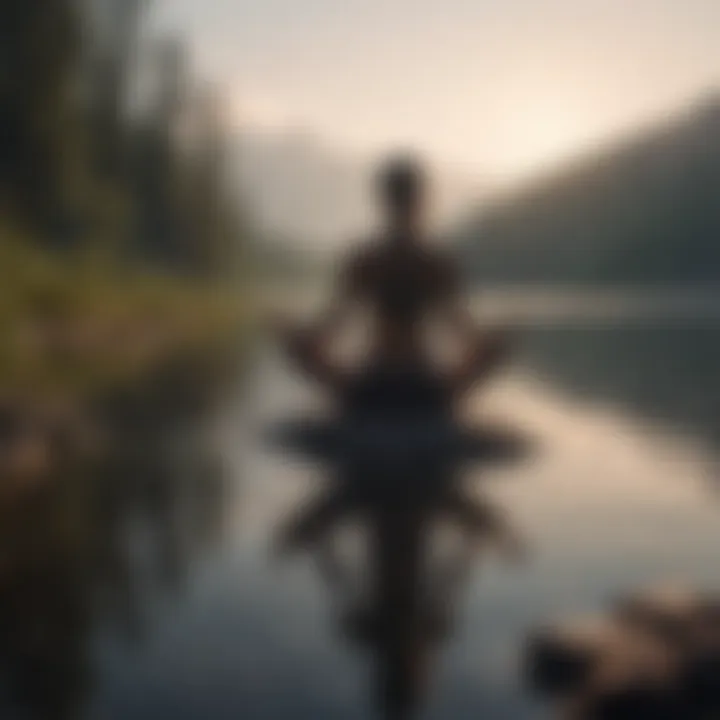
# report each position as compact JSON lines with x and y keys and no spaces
{"x":158,"y":596}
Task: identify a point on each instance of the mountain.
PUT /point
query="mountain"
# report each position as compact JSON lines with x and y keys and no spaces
{"x":644,"y":211}
{"x":301,"y":190}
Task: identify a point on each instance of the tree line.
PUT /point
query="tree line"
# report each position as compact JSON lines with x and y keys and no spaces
{"x":108,"y":143}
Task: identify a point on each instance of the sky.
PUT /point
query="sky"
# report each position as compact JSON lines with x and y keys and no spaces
{"x":500,"y":88}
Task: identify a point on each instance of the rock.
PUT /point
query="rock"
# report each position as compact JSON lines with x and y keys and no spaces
{"x":670,"y":613}
{"x":654,"y":656}
{"x":561,"y":660}
{"x":700,"y":679}
{"x":640,"y":700}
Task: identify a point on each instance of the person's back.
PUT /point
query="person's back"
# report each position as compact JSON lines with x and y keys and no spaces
{"x":401,"y":281}
{"x":400,"y":284}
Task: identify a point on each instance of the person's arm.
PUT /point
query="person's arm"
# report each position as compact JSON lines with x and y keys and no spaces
{"x":454,"y":306}
{"x":484,"y":348}
{"x":307,"y":345}
{"x":454,"y":310}
{"x":342,"y":304}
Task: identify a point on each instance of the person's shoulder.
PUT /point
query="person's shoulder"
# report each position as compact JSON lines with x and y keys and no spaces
{"x":363,"y":249}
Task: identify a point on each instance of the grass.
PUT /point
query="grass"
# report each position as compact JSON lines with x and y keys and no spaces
{"x":75,"y":326}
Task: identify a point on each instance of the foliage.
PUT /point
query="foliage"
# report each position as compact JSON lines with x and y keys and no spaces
{"x":74,"y":325}
{"x":88,"y":161}
{"x":645,"y":212}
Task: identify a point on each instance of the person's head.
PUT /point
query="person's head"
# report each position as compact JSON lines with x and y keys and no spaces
{"x":402,"y":188}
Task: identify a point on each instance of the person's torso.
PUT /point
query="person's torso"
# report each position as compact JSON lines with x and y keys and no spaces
{"x":402,"y":286}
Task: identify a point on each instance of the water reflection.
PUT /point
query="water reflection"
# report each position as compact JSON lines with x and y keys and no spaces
{"x":88,"y":550}
{"x":395,"y":534}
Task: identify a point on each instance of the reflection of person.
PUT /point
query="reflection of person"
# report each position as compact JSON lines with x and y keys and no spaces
{"x":402,"y":281}
{"x":398,"y":605}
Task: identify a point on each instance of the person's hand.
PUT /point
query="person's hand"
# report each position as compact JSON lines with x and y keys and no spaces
{"x":497,"y":342}
{"x":489,"y":348}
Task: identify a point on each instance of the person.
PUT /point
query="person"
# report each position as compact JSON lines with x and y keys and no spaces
{"x":402,"y":280}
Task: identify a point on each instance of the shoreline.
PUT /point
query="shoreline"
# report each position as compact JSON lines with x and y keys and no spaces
{"x":40,"y":437}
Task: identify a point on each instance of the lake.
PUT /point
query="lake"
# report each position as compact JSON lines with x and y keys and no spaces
{"x":167,"y":600}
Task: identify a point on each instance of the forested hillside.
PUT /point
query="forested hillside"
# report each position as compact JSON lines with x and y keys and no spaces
{"x":643,"y":211}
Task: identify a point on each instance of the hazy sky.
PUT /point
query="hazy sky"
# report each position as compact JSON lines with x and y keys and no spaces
{"x":499,"y":86}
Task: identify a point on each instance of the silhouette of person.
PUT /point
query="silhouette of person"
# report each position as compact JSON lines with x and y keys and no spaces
{"x":401,"y":280}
